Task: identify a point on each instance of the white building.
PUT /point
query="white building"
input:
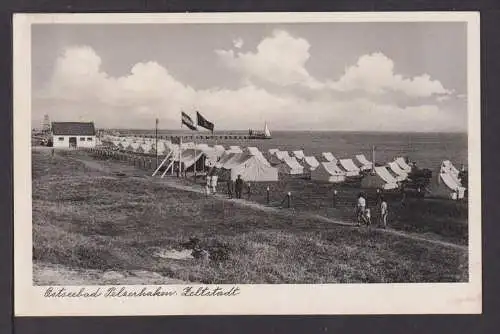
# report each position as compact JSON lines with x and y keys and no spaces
{"x":73,"y":134}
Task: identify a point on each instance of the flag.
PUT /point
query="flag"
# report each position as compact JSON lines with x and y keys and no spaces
{"x":187,"y":121}
{"x":204,"y":123}
{"x":157,"y":121}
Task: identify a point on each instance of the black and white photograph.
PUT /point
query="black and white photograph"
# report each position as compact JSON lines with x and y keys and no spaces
{"x":222,"y":156}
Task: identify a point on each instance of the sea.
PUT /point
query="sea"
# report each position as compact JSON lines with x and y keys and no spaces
{"x":428,"y":150}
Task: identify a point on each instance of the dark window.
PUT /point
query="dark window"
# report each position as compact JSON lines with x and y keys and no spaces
{"x":60,"y":138}
{"x":82,"y":138}
{"x":89,"y":138}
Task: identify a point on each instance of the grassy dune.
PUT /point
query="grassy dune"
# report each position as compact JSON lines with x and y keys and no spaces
{"x":86,"y":219}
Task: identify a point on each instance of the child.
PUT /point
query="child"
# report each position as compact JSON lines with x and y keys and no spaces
{"x":367,"y":217}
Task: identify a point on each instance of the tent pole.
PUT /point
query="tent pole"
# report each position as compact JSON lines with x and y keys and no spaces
{"x":168,"y":167}
{"x":162,"y":163}
{"x":180,"y":157}
{"x":156,"y":142}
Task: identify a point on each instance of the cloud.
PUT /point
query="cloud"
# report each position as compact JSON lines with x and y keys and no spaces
{"x":79,"y":87}
{"x":374,"y":74}
{"x":279,"y":59}
{"x":238,"y":43}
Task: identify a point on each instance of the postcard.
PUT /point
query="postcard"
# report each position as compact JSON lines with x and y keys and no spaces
{"x":247,"y":163}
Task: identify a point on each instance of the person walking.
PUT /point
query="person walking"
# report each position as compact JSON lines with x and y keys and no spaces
{"x":360,"y":208}
{"x":238,"y":186}
{"x":214,"y":184}
{"x":383,"y":212}
{"x":230,"y":186}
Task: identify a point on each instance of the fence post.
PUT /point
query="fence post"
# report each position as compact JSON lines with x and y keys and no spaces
{"x":267,"y":195}
{"x":289,"y":199}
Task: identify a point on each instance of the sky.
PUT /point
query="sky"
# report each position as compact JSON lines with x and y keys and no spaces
{"x":401,"y":77}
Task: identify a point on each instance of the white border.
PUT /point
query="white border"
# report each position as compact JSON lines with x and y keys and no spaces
{"x":442,"y":298}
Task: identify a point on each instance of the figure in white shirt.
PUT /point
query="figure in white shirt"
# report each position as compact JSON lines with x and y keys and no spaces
{"x":208,"y":184}
{"x":383,"y":212}
{"x":214,"y":184}
{"x":360,"y":208}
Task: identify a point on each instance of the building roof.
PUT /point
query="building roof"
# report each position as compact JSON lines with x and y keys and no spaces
{"x":73,"y":128}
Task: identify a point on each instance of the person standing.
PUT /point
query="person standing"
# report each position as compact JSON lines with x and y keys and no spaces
{"x":214,"y":184}
{"x":208,"y":184}
{"x":361,"y":206}
{"x":238,"y":186}
{"x":249,"y":190}
{"x":230,"y":185}
{"x":383,"y":212}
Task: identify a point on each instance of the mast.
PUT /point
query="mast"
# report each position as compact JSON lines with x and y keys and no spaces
{"x":373,"y":158}
{"x":267,"y":133}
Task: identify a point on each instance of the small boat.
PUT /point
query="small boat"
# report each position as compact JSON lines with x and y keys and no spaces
{"x":266,"y":134}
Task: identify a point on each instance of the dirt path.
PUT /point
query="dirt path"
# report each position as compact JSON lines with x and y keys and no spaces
{"x":172,"y":183}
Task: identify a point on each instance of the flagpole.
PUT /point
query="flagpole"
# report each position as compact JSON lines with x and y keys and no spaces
{"x":180,"y":152}
{"x":156,"y":142}
{"x":195,"y":152}
{"x":373,"y":158}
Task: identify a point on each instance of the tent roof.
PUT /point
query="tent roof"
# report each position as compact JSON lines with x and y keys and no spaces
{"x":292,"y":162}
{"x":402,"y":163}
{"x":328,"y":156}
{"x":384,"y":174}
{"x":332,"y":168}
{"x":396,"y":168}
{"x":348,"y":165}
{"x":311,"y":161}
{"x":299,"y":154}
{"x":363,"y":160}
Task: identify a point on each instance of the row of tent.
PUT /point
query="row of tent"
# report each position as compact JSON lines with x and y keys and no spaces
{"x":336,"y":170}
{"x":253,"y":165}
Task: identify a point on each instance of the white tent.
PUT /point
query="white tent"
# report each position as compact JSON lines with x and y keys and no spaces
{"x":365,"y":163}
{"x":400,"y":174}
{"x":255,"y":151}
{"x":250,"y":167}
{"x":188,"y":145}
{"x":291,"y":166}
{"x":234,"y":149}
{"x":311,"y":163}
{"x":299,"y":154}
{"x":189,"y":158}
{"x":445,"y":186}
{"x":273,"y":151}
{"x":328,"y":172}
{"x":134,"y":147}
{"x":381,"y":178}
{"x":328,"y":156}
{"x":147,"y":148}
{"x":282,"y":155}
{"x":349,"y":167}
{"x":402,"y":163}
{"x":219,"y":148}
{"x":451,"y":170}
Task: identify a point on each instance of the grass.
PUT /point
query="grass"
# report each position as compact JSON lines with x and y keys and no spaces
{"x":87,"y":219}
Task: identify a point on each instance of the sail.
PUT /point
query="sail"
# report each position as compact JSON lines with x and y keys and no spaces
{"x":267,"y":133}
